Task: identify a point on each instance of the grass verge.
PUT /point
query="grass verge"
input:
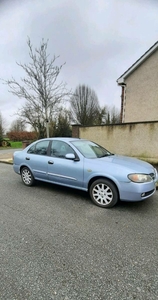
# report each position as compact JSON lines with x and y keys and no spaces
{"x":14,"y":145}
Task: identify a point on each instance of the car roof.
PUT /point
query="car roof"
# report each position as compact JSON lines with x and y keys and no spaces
{"x":66,"y":139}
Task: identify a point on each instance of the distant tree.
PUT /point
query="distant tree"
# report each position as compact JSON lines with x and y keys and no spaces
{"x":108,"y":118}
{"x":39,"y":88}
{"x":85,"y":107}
{"x":114,"y":115}
{"x":1,"y":125}
{"x":18,"y":125}
{"x":61,"y":126}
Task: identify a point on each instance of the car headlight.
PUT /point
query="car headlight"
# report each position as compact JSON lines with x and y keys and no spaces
{"x":139,"y":178}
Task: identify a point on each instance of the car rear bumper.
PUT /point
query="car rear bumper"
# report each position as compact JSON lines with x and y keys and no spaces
{"x":16,"y":169}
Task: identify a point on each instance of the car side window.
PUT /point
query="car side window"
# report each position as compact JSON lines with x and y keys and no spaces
{"x":60,"y":149}
{"x":40,"y":148}
{"x":31,"y":150}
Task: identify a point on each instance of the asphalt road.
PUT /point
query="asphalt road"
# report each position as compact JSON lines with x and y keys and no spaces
{"x":55,"y":244}
{"x":9,"y":150}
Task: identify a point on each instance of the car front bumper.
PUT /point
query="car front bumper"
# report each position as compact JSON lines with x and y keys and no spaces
{"x":137,"y":191}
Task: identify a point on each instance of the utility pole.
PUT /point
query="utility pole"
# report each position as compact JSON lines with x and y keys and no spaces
{"x":47,"y":128}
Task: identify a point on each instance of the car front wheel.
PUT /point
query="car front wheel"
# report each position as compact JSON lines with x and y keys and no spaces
{"x":103,"y":193}
{"x":27,"y":177}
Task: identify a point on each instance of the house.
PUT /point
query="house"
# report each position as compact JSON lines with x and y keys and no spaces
{"x":139,"y":89}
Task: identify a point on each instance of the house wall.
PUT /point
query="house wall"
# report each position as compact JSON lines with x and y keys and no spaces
{"x":141,"y":93}
{"x":134,"y":139}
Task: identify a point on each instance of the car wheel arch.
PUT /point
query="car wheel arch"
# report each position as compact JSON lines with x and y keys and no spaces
{"x":103,"y":177}
{"x":24,"y":166}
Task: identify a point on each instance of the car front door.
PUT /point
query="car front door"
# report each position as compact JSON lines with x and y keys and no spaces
{"x":61,"y":170}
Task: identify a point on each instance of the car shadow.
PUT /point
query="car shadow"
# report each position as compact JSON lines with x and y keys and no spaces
{"x":64,"y":190}
{"x":140,"y":207}
{"x":136,"y":207}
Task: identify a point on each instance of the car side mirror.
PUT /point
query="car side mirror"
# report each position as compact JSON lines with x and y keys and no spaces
{"x":71,"y":156}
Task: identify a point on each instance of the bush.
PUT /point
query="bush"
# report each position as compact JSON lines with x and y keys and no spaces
{"x":22,"y":135}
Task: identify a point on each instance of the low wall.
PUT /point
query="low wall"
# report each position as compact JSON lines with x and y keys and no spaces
{"x":138,"y":139}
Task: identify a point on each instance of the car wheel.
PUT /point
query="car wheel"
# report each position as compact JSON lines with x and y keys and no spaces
{"x":103,"y":193}
{"x":27,"y":177}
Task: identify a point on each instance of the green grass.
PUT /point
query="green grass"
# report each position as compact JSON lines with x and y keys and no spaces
{"x":14,"y":145}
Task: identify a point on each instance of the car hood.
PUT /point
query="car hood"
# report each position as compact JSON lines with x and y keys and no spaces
{"x":133,"y":164}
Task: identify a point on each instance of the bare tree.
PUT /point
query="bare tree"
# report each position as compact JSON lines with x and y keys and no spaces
{"x":114,"y":114}
{"x":18,"y":125}
{"x":85,"y":106}
{"x":39,"y":87}
{"x":1,"y":125}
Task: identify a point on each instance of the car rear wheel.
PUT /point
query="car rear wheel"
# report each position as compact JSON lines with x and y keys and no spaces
{"x":27,"y":177}
{"x":103,"y":193}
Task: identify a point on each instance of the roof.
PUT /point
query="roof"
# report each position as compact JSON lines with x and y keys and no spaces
{"x":64,"y":139}
{"x":138,"y":62}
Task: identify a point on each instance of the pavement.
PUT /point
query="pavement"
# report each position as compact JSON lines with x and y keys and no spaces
{"x":6,"y":156}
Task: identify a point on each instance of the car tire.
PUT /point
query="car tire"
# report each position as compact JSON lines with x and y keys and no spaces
{"x":103,"y":193}
{"x":27,"y":177}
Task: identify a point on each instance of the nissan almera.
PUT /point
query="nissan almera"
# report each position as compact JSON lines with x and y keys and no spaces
{"x":85,"y":165}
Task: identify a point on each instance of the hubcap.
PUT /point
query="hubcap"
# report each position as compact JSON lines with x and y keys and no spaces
{"x":26,"y":175}
{"x":102,"y":194}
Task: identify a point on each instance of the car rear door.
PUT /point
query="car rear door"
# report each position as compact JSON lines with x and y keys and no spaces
{"x":37,"y":159}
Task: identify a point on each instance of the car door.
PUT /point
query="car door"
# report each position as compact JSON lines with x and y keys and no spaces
{"x":37,"y":159}
{"x":64,"y":171}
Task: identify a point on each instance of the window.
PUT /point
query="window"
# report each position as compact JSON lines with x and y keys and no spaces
{"x":90,"y":149}
{"x":31,"y":150}
{"x":60,"y":149}
{"x":40,"y":148}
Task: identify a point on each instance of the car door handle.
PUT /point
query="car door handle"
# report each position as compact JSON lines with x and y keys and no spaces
{"x":27,"y":158}
{"x":50,"y":162}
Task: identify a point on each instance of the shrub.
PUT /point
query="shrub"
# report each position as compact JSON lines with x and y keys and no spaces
{"x":21,"y":135}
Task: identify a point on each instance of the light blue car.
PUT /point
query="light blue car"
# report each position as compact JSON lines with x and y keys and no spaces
{"x":84,"y":165}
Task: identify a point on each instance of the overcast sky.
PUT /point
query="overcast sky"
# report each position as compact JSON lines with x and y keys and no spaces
{"x":98,"y":39}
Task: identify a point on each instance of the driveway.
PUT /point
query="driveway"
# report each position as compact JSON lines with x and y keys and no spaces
{"x":56,"y":245}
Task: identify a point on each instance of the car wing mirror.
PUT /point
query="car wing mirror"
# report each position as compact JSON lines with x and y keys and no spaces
{"x":71,"y":156}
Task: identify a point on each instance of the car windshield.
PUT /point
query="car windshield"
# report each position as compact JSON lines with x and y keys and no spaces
{"x":90,"y":149}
